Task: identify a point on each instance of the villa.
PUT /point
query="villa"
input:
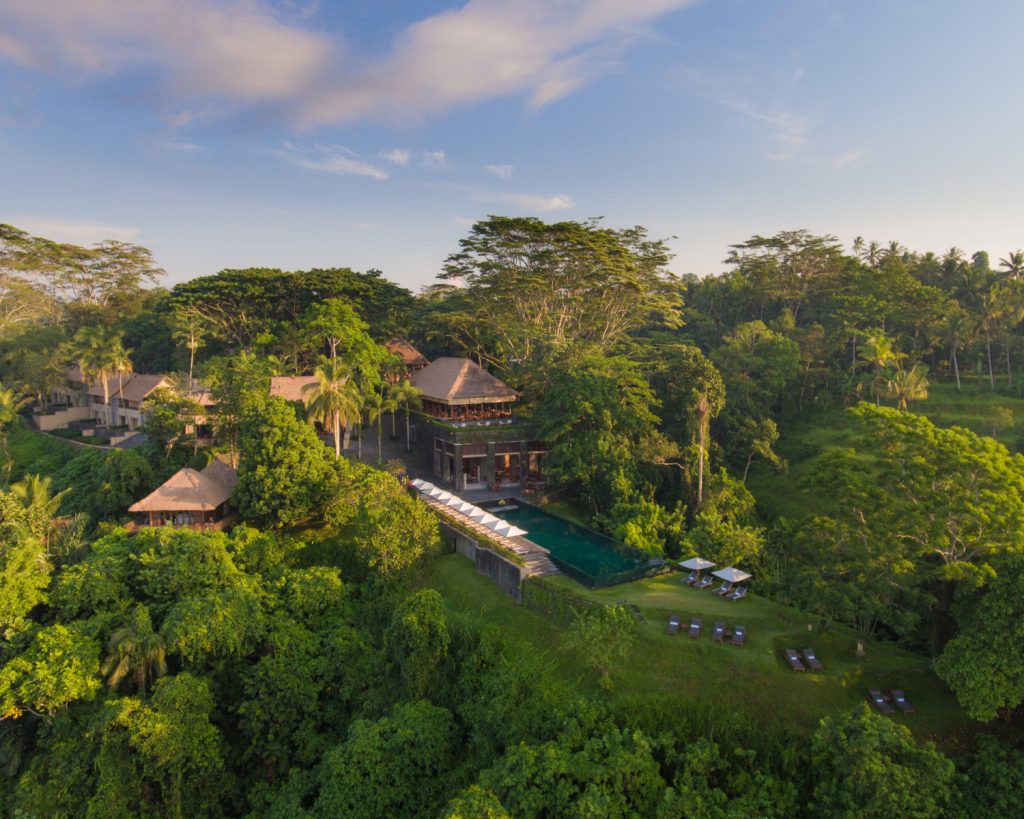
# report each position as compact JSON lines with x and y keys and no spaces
{"x":81,"y":401}
{"x":412,"y":359}
{"x":472,"y":437}
{"x":190,"y":498}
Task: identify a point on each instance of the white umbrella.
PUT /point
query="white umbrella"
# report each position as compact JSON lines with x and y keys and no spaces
{"x":515,"y":531}
{"x":480,"y":516}
{"x":500,"y":527}
{"x":418,"y":482}
{"x":454,"y":501}
{"x":439,"y":494}
{"x":465,"y":507}
{"x":698,"y":564}
{"x":426,"y":486}
{"x":731,"y":575}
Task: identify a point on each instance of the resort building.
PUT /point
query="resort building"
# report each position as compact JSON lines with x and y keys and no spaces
{"x":291,"y":387}
{"x":196,"y":499}
{"x":472,"y":438}
{"x":80,"y":401}
{"x":412,"y":359}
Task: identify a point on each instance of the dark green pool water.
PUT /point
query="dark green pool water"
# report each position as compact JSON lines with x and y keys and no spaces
{"x":590,"y":553}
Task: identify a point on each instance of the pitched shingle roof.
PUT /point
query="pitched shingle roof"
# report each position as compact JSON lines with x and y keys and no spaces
{"x":140,"y":386}
{"x":190,"y":491}
{"x":461,"y":381}
{"x":291,"y":387}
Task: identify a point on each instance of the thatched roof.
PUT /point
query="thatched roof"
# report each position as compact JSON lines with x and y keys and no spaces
{"x":291,"y":387}
{"x":190,"y":491}
{"x":459,"y":381}
{"x":411,"y":357}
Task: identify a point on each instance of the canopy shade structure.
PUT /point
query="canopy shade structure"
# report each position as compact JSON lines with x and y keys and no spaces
{"x":500,"y":526}
{"x":697,"y":564}
{"x":480,"y":516}
{"x":731,"y":575}
{"x":454,"y":501}
{"x":439,"y":494}
{"x":421,"y":484}
{"x":465,"y":507}
{"x":515,"y":531}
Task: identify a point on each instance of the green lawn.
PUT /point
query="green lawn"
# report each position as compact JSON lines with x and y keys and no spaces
{"x":754,"y":681}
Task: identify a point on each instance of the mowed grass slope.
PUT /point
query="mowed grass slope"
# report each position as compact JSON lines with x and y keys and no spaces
{"x":754,"y":682}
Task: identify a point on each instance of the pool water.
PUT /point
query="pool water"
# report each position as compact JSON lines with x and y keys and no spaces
{"x":582,"y":553}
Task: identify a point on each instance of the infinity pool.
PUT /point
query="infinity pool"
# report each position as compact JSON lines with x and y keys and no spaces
{"x":585,"y":555}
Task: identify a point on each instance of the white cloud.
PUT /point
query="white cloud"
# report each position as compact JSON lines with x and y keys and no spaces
{"x":335,"y":159}
{"x":72,"y":231}
{"x":397,"y":156}
{"x":850,"y":159}
{"x":184,"y":147}
{"x":242,"y":51}
{"x":531,"y":202}
{"x":435,"y":160}
{"x":500,"y":171}
{"x":248,"y":52}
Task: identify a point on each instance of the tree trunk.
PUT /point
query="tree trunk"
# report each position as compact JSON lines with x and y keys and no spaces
{"x":359,"y":442}
{"x":347,"y":440}
{"x":191,"y":362}
{"x":380,"y":437}
{"x":746,"y":469}
{"x":956,"y":369}
{"x":700,"y":469}
{"x":408,"y":439}
{"x":106,"y":399}
{"x":988,"y":348}
{"x":337,"y":435}
{"x":394,"y":432}
{"x":1009,"y":375}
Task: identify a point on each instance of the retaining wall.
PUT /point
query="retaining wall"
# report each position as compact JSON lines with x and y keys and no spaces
{"x":61,"y":418}
{"x":507,"y":575}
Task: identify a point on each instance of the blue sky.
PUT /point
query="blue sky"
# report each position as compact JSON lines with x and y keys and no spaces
{"x":373,"y":133}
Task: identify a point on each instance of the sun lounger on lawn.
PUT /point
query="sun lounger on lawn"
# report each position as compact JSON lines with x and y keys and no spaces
{"x":692,"y":578}
{"x":719,"y":634}
{"x":879,"y":702}
{"x":673,"y":624}
{"x":724,"y":589}
{"x":794,"y":660}
{"x":695,"y":628}
{"x":739,"y":593}
{"x":812,"y":661}
{"x":900,"y":699}
{"x":704,"y":582}
{"x":739,"y":636}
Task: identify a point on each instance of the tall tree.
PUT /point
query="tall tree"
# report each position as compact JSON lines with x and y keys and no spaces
{"x":333,"y":400}
{"x":135,"y":651}
{"x":406,"y":396}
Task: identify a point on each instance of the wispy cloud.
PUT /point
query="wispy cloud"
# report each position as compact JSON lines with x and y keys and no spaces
{"x":851,"y":158}
{"x":530,"y":202}
{"x":184,"y":147}
{"x":74,"y":231}
{"x":434,"y":160}
{"x":500,"y":171}
{"x":335,"y":159}
{"x":397,"y":156}
{"x":249,"y":52}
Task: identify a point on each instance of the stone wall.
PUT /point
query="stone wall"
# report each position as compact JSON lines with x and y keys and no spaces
{"x":507,"y":575}
{"x":61,"y":418}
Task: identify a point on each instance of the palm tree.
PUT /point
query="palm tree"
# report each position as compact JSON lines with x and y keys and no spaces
{"x":135,"y":650}
{"x":1013,"y":264}
{"x":908,"y":385}
{"x":876,"y":350}
{"x":407,"y":397}
{"x":956,"y":330}
{"x":377,"y":405}
{"x":99,"y":355}
{"x":33,"y":492}
{"x":990,"y":312}
{"x":333,"y":400}
{"x":122,"y":364}
{"x":701,"y":412}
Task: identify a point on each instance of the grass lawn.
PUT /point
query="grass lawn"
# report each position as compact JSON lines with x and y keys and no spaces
{"x":33,"y":452}
{"x":754,"y":682}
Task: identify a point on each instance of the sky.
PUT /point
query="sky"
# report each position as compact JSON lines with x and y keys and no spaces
{"x":374,"y":133}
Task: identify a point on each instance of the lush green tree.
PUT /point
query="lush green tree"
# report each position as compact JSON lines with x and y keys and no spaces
{"x":596,"y":417}
{"x":868,"y":766}
{"x":984,"y":663}
{"x":603,"y":636}
{"x":101,"y":356}
{"x":475,"y":803}
{"x":394,"y":766}
{"x":531,"y":285}
{"x":103,"y":484}
{"x":169,"y":417}
{"x":908,"y":384}
{"x":418,"y":638}
{"x":190,"y":330}
{"x":222,"y":624}
{"x":585,"y":772}
{"x":178,"y":748}
{"x":335,"y":324}
{"x":59,"y":666}
{"x":992,"y":783}
{"x":285,"y":473}
{"x":11,"y":402}
{"x":233,"y":382}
